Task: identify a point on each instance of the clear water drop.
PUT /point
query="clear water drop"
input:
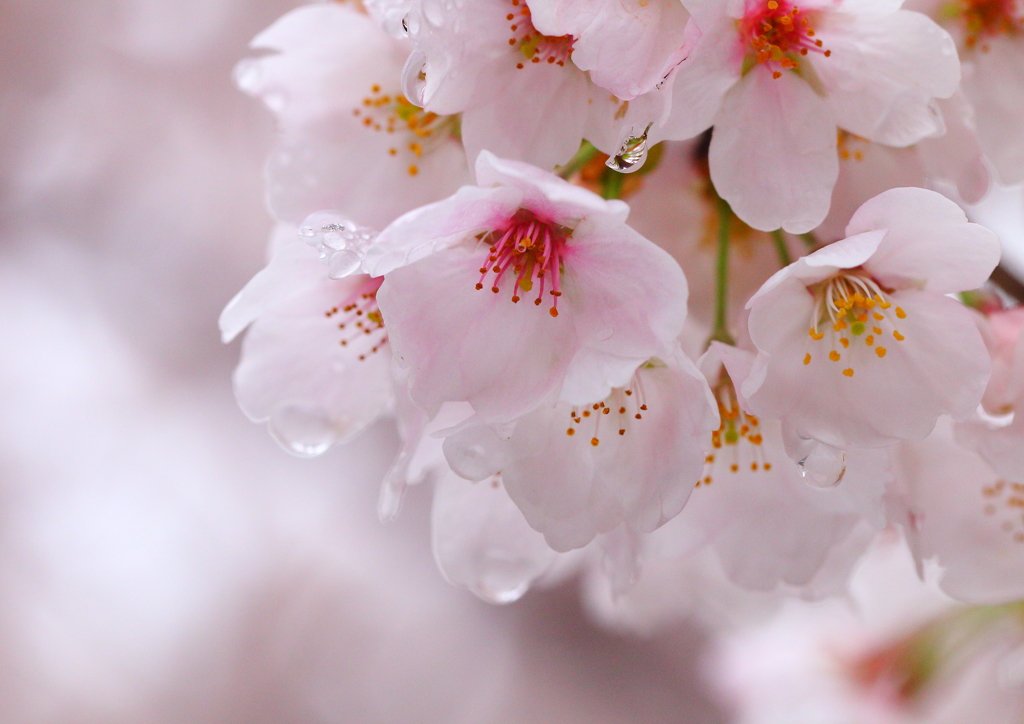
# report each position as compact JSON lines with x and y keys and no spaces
{"x":338,"y":239}
{"x":414,"y":77}
{"x":632,"y":154}
{"x":304,"y":430}
{"x":823,"y":467}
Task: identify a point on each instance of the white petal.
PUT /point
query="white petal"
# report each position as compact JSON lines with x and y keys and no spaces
{"x":884,"y":73}
{"x":780,"y":175}
{"x":994,"y":83}
{"x":929,"y":243}
{"x":482,"y":542}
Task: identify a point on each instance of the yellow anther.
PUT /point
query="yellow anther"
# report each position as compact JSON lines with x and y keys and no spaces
{"x":807,"y":358}
{"x":900,"y":313}
{"x":845,"y":342}
{"x":899,"y":337}
{"x":869,"y":340}
{"x":816,"y":335}
{"x":848,"y":372}
{"x":833,"y":355}
{"x":880,"y":351}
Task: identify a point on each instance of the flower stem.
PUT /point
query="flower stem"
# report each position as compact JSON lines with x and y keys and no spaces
{"x":809,"y":240}
{"x":781,"y":249}
{"x":611,"y":184}
{"x":720,"y":333}
{"x":582,"y":158}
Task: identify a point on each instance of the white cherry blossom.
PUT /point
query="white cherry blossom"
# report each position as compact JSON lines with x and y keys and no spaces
{"x":518,"y":90}
{"x":315,"y":362}
{"x":523,"y":287}
{"x":796,"y":72}
{"x":628,"y":46}
{"x":628,"y":459}
{"x":349,"y":139}
{"x":858,"y":344}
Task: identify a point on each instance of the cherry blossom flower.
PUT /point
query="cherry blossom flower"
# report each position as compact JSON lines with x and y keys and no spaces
{"x":348,"y":134}
{"x":857,"y":343}
{"x":796,"y":74}
{"x":628,"y":47}
{"x":520,"y":288}
{"x":629,"y":459}
{"x":315,"y":362}
{"x":518,"y":90}
{"x":990,"y":36}
{"x":955,"y":508}
{"x":998,"y":436}
{"x":953,"y":164}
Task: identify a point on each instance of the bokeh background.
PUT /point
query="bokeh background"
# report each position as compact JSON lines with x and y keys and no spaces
{"x":161,"y":559}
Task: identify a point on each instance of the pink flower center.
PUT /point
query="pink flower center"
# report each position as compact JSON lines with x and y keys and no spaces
{"x":852,"y":307}
{"x":989,"y":18}
{"x":530,"y":250}
{"x":359,"y":318}
{"x":536,"y":48}
{"x":778,"y":32}
{"x":737,"y":441}
{"x":617,"y":410}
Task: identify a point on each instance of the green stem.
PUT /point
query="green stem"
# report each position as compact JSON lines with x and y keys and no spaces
{"x":809,"y":240}
{"x":720,"y":333}
{"x":611,"y":184}
{"x":582,"y":158}
{"x":781,"y":249}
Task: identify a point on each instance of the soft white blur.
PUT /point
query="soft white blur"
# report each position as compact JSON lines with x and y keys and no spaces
{"x":161,"y":559}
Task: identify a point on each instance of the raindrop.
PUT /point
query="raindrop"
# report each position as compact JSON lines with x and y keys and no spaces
{"x":338,"y":239}
{"x":823,"y":467}
{"x":304,"y":430}
{"x":632,"y":154}
{"x":343,"y":263}
{"x":414,"y":78}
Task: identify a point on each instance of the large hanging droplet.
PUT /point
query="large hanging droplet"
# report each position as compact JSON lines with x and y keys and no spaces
{"x":414,"y":78}
{"x":304,"y":430}
{"x":632,"y":154}
{"x":823,"y":467}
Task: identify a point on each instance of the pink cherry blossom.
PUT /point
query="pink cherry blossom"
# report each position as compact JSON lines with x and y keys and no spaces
{"x":957,"y":509}
{"x":628,"y":459}
{"x":523,"y":287}
{"x":796,"y":74}
{"x":518,"y":90}
{"x":315,"y":362}
{"x":857,"y":343}
{"x":628,"y":47}
{"x":333,"y":81}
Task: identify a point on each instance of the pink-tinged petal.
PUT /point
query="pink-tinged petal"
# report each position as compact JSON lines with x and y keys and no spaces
{"x":628,"y":47}
{"x":868,"y":395}
{"x":545,"y":194}
{"x":461,"y":343}
{"x":929,"y":244}
{"x":819,"y":265}
{"x":538,"y":116}
{"x":957,"y":155}
{"x":1001,"y":447}
{"x":296,"y":374}
{"x":482,"y":542}
{"x":629,"y":299}
{"x":572,"y":490}
{"x":288,"y":274}
{"x":782,"y":174}
{"x":327,"y":57}
{"x":431,"y":228}
{"x":701,"y":83}
{"x":958,"y":510}
{"x":994,"y":83}
{"x":884,"y":72}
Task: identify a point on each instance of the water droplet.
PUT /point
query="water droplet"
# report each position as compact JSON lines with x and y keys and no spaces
{"x":304,"y":430}
{"x":496,"y":588}
{"x":632,"y":154}
{"x":823,"y":467}
{"x":338,"y":239}
{"x":414,"y":77}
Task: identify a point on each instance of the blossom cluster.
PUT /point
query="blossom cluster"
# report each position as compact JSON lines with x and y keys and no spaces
{"x":651,"y":282}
